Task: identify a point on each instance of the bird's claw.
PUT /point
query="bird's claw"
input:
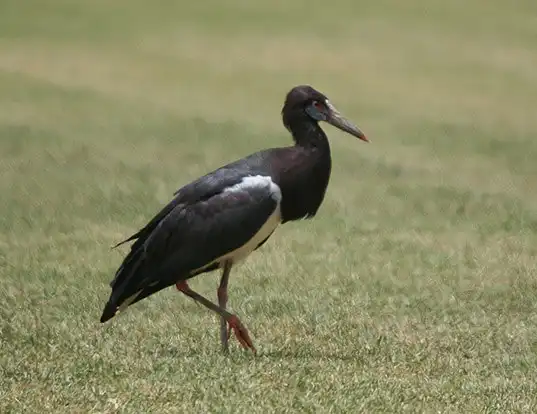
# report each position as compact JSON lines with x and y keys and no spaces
{"x":241,"y":333}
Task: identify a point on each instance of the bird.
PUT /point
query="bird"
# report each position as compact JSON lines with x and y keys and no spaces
{"x":217,"y":220}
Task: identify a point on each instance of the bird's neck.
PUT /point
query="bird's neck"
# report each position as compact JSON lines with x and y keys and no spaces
{"x":307,"y":133}
{"x":307,"y":168}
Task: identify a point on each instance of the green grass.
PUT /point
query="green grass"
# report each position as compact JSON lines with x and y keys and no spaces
{"x":413,"y":290}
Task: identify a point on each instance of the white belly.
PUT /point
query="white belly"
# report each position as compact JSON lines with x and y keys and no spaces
{"x":268,"y":227}
{"x":264,"y":232}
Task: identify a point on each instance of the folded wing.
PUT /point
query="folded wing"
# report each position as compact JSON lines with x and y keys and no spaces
{"x":196,"y":234}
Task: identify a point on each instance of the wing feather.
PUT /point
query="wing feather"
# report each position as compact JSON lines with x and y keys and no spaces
{"x":190,"y":236}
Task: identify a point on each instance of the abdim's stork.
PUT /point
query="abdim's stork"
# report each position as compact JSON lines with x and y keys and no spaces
{"x":222,"y":217}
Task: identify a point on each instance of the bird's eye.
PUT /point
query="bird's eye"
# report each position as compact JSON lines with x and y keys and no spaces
{"x":317,"y":110}
{"x":318,"y":105}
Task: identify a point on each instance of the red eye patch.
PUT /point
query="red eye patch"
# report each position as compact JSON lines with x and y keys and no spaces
{"x":319,"y":106}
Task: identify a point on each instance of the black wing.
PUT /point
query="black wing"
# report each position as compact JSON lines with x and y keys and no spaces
{"x":201,"y":189}
{"x":186,"y":237}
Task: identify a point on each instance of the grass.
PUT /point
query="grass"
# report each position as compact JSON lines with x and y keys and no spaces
{"x":412,"y":291}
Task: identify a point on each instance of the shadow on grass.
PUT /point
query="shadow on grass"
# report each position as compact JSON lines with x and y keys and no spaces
{"x":237,"y":354}
{"x":306,"y":355}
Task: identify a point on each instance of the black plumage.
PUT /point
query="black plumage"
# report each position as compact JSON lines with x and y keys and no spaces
{"x":220,"y":218}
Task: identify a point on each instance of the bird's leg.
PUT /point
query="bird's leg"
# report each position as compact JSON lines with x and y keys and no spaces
{"x":222,"y":302}
{"x":234,"y":323}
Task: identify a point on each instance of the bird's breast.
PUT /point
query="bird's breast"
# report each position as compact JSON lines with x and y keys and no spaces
{"x":303,"y":193}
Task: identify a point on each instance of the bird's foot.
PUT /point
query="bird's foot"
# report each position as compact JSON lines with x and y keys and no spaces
{"x":241,"y":333}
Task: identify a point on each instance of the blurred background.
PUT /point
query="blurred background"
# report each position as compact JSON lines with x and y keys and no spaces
{"x":414,"y":288}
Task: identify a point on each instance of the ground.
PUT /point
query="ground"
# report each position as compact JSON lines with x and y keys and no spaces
{"x":413,"y":290}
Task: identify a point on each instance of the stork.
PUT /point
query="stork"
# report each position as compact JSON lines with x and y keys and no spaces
{"x":219,"y":219}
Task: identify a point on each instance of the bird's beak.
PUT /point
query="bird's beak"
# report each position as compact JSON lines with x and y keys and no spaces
{"x":337,"y":120}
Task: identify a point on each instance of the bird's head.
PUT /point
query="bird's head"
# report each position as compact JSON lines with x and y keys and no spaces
{"x":304,"y":101}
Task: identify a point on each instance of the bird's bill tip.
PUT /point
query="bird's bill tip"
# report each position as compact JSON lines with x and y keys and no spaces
{"x":339,"y":121}
{"x":363,"y":137}
{"x":347,"y":126}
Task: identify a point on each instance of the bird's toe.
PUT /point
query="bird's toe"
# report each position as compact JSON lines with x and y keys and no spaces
{"x":241,"y":333}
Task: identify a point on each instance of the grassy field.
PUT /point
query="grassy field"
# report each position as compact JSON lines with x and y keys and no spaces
{"x":414,"y":289}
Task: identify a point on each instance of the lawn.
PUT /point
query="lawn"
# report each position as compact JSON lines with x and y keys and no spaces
{"x":413,"y":290}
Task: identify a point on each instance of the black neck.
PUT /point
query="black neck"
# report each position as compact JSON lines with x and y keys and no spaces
{"x":307,"y":132}
{"x":307,"y":169}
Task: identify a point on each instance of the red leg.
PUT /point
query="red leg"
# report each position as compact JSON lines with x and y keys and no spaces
{"x":234,"y":322}
{"x":221,"y":293}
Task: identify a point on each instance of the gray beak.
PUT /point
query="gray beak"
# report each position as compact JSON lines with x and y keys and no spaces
{"x":337,"y":120}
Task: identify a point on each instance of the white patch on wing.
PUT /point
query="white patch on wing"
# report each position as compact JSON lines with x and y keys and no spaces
{"x":257,"y":181}
{"x":265,"y":231}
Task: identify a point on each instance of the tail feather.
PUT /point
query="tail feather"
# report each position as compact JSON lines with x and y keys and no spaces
{"x":130,"y":265}
{"x":122,"y":242}
{"x":125,"y":285}
{"x":112,"y":307}
{"x":109,"y":311}
{"x":130,"y":285}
